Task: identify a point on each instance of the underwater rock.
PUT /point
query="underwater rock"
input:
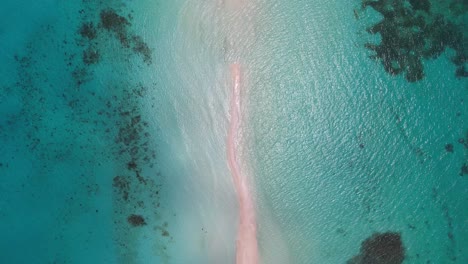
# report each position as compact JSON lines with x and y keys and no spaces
{"x":449,"y":148}
{"x":380,"y":248}
{"x":464,"y":169}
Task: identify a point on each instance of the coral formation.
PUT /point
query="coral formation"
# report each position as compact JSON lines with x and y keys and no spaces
{"x":90,"y":56}
{"x":136,"y":220}
{"x":87,"y":30}
{"x":117,"y":24}
{"x":414,"y":30}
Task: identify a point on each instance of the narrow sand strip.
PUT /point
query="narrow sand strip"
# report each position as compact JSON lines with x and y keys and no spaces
{"x":247,"y":251}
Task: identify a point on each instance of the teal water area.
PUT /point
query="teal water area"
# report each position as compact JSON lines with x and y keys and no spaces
{"x":344,"y":150}
{"x":112,"y":123}
{"x":113,"y":118}
{"x":80,"y":180}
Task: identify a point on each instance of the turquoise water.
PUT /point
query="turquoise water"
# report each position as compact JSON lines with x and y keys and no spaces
{"x":113,"y":122}
{"x":358,"y":151}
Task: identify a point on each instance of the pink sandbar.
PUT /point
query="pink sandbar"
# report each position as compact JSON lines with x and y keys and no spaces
{"x":247,"y":248}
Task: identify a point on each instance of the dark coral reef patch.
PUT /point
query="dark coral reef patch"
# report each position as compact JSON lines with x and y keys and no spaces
{"x":136,"y":220}
{"x":464,"y":169}
{"x":119,"y":25}
{"x":449,"y":148}
{"x":413,"y":30}
{"x":91,"y":56}
{"x":380,"y":248}
{"x":87,"y":30}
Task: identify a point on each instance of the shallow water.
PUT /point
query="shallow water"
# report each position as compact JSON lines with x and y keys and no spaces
{"x":114,"y":137}
{"x":343,"y":149}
